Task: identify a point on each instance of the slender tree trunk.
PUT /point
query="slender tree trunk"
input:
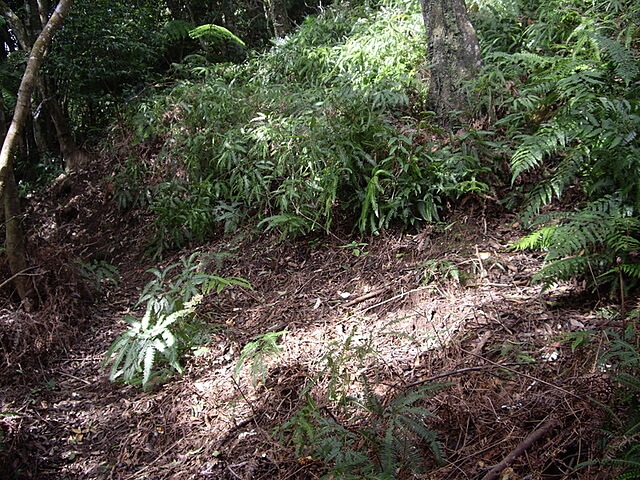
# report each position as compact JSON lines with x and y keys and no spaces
{"x":229,"y":15}
{"x":17,"y":27}
{"x":73,"y":156}
{"x":15,"y":241}
{"x":16,"y":253}
{"x":3,"y":123}
{"x":278,"y":17}
{"x":453,"y":53}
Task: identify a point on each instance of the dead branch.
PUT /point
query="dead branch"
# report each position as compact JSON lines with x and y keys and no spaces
{"x":533,"y":437}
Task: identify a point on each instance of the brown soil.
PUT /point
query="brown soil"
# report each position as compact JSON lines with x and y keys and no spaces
{"x":381,"y":318}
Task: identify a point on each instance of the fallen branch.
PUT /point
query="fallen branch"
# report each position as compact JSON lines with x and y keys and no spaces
{"x":533,"y":437}
{"x":463,"y":370}
{"x":20,"y":273}
{"x":366,"y":296}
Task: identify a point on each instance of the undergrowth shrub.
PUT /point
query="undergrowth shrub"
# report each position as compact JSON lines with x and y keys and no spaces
{"x":308,"y":132}
{"x":150,"y":349}
{"x":564,"y":92}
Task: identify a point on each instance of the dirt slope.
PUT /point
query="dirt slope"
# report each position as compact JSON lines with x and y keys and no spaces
{"x":451,"y":303}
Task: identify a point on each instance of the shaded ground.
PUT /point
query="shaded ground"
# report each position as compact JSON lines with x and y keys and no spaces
{"x":451,"y":303}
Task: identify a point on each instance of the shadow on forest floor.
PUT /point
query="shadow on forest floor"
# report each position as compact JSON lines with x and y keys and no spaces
{"x":449,"y":304}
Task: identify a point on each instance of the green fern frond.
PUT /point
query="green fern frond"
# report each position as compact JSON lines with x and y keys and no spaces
{"x":562,"y":269}
{"x":533,"y":149}
{"x":630,"y":475}
{"x":622,"y":59}
{"x":215,"y":33}
{"x":149,"y":360}
{"x":540,"y":239}
{"x":631,"y":270}
{"x":178,"y":29}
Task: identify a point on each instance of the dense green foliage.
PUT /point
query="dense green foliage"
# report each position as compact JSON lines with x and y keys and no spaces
{"x":321,"y":127}
{"x":561,"y":83}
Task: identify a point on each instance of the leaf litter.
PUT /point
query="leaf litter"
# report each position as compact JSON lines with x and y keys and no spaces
{"x":450,"y":303}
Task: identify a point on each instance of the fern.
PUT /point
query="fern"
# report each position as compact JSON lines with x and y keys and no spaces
{"x":630,"y":475}
{"x":622,"y":60}
{"x":257,"y":352}
{"x":598,"y":243}
{"x":368,"y":436}
{"x":178,"y":30}
{"x":216,"y":34}
{"x":134,"y":352}
{"x":166,"y":328}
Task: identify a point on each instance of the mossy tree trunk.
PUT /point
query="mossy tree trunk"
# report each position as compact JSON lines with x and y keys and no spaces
{"x":453,"y":54}
{"x":8,"y":191}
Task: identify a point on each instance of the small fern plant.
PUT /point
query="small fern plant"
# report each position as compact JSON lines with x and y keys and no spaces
{"x":599,"y":243}
{"x":377,"y":438}
{"x":135,"y":351}
{"x":257,"y":352}
{"x":150,"y":349}
{"x":356,"y":432}
{"x":621,"y":359}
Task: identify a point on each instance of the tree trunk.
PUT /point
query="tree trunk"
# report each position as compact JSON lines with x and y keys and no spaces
{"x":17,"y":27}
{"x":16,"y":253}
{"x":22,"y":109}
{"x":73,"y":156}
{"x":277,"y":15}
{"x":453,"y":53}
{"x":229,"y":15}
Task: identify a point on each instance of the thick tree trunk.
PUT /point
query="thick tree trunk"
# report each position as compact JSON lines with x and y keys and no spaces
{"x":454,"y":53}
{"x":22,"y":109}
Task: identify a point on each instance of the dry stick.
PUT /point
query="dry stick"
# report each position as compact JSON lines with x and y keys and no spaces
{"x":533,"y":437}
{"x":395,"y":297}
{"x":21,"y":272}
{"x":366,"y":296}
{"x":462,"y":370}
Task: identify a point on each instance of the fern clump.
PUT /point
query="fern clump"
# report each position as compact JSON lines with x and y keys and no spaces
{"x":151,"y":347}
{"x":354,"y":431}
{"x":571,"y":117}
{"x":599,"y":243}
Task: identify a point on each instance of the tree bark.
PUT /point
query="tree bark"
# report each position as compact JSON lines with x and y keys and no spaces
{"x":15,"y":240}
{"x":278,"y":16}
{"x":72,"y":155}
{"x":453,"y":53}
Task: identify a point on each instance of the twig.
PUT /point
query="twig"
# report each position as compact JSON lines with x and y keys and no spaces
{"x":366,"y":296}
{"x":533,"y":437}
{"x":395,"y":297}
{"x":86,"y":382}
{"x":22,"y":272}
{"x":462,"y":370}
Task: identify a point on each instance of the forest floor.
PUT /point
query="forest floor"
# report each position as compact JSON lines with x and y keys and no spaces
{"x":363,"y":318}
